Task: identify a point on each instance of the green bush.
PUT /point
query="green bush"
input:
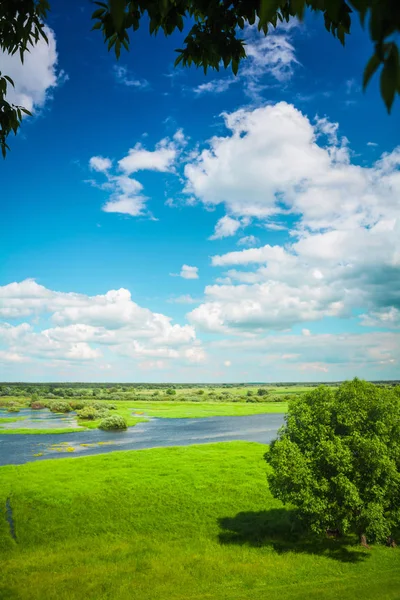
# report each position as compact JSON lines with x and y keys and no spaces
{"x":58,"y":406}
{"x":170,"y":392}
{"x":262,"y":392}
{"x":77,"y":404}
{"x":37,"y":405}
{"x":114,"y":422}
{"x":13,"y":409}
{"x":88,"y":412}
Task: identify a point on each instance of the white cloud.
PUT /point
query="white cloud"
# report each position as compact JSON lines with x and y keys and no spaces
{"x":86,"y":328}
{"x":343,"y":253}
{"x":215,"y":86}
{"x":389,"y":317}
{"x":271,"y":56}
{"x":225,"y":227}
{"x":36,"y":76}
{"x":139,"y":159}
{"x":127,"y":205}
{"x":188,"y":272}
{"x":227,"y":363}
{"x":343,"y":355}
{"x":306,"y":332}
{"x":344,"y":249}
{"x":248,"y":240}
{"x":100,"y":164}
{"x":126,"y":193}
{"x":123,"y":76}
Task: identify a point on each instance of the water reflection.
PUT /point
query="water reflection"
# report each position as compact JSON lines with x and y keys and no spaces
{"x":38,"y":419}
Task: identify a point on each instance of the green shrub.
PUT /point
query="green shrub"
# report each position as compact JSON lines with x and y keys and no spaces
{"x":88,"y":412}
{"x":262,"y":392}
{"x":59,"y":406}
{"x":114,"y":422}
{"x":99,"y":405}
{"x":77,"y":404}
{"x":37,"y":405}
{"x":13,"y":409}
{"x":170,"y":392}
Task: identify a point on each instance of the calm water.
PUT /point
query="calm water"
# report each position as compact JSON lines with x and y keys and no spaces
{"x":18,"y":449}
{"x":39,"y":419}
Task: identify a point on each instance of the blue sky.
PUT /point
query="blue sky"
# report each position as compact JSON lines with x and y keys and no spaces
{"x":164,"y":225}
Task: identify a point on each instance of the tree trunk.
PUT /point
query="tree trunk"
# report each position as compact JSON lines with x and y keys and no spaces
{"x":390,"y":542}
{"x":363,"y":541}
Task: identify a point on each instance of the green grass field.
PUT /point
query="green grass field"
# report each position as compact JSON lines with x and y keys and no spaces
{"x":178,"y":410}
{"x":172,"y":524}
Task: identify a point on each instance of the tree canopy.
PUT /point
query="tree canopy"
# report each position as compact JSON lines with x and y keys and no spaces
{"x":215,"y":36}
{"x":337,"y":460}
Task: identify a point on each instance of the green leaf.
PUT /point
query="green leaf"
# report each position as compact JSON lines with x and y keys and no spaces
{"x":370,"y":69}
{"x":9,"y":80}
{"x":390,"y":77}
{"x":235,"y":66}
{"x":98,"y":13}
{"x":117,"y":10}
{"x":388,"y":85}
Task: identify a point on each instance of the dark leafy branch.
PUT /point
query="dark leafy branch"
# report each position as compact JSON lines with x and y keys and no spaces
{"x":214,"y":37}
{"x":21,"y":26}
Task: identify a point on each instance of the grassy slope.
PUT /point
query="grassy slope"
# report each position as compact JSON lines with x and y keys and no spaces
{"x":172,"y":523}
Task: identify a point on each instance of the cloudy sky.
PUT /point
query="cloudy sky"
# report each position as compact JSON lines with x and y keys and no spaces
{"x":162,"y":225}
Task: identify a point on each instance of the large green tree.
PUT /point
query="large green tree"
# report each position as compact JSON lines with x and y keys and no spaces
{"x":337,"y":460}
{"x":214,"y":34}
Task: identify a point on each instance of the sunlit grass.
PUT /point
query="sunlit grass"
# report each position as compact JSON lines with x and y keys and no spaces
{"x":168,"y":524}
{"x":201,"y":409}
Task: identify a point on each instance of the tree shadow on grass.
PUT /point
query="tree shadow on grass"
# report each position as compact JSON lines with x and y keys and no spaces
{"x":279,"y":529}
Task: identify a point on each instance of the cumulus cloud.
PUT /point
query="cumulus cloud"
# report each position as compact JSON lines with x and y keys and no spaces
{"x":36,"y":76}
{"x":225,"y":227}
{"x":188,"y":272}
{"x":86,"y":328}
{"x":343,"y":253}
{"x":100,"y":164}
{"x":139,"y":159}
{"x":126,"y":193}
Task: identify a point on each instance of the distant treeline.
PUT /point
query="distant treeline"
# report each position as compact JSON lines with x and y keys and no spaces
{"x":63,"y":389}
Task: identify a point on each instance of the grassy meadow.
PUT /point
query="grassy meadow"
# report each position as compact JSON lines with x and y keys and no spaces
{"x":171,"y":523}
